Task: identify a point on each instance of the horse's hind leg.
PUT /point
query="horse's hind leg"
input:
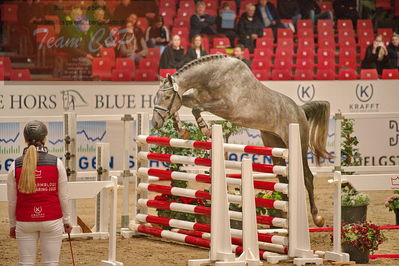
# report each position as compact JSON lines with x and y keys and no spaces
{"x":317,"y":219}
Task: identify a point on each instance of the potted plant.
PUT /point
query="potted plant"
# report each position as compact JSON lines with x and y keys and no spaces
{"x":353,"y":203}
{"x":393,"y":204}
{"x":359,"y":239}
{"x":170,"y":132}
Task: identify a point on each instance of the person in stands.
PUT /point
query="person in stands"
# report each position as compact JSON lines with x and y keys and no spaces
{"x":157,"y":35}
{"x":311,"y":10}
{"x":239,"y":54}
{"x":196,"y":50}
{"x":268,"y":16}
{"x":289,"y":9}
{"x":173,"y":55}
{"x":38,"y":199}
{"x":376,"y":55}
{"x":249,"y":28}
{"x":200,"y":22}
{"x":393,"y":51}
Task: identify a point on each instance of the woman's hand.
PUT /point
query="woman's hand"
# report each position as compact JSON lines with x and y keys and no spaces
{"x":12,"y":232}
{"x":67,"y":228}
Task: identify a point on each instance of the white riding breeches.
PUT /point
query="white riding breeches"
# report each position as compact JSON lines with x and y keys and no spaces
{"x":50,"y":235}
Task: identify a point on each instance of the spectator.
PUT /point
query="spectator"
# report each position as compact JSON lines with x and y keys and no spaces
{"x":268,"y":16}
{"x":99,"y":29}
{"x":376,"y":55}
{"x":157,"y":35}
{"x":196,"y":50}
{"x":122,"y":11}
{"x":393,"y":51}
{"x":289,"y":9}
{"x":132,"y":43}
{"x":249,"y":28}
{"x":226,"y":22}
{"x":311,"y":10}
{"x":173,"y":55}
{"x":201,"y":22}
{"x":346,"y":9}
{"x":98,"y":4}
{"x":30,"y":14}
{"x":239,"y":54}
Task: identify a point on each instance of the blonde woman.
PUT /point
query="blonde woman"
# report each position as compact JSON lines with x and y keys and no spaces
{"x":376,"y":56}
{"x":38,"y":199}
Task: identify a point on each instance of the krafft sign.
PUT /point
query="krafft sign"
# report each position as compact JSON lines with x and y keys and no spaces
{"x":36,"y":98}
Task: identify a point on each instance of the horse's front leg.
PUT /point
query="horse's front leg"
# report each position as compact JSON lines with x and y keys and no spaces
{"x":202,"y":125}
{"x":183,"y":132}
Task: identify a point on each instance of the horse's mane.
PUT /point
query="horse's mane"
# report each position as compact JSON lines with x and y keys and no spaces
{"x":203,"y":59}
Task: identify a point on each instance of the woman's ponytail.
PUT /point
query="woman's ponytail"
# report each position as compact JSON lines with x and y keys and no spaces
{"x":27,"y":182}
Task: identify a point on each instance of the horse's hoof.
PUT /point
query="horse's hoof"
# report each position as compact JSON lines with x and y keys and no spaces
{"x":319,"y":221}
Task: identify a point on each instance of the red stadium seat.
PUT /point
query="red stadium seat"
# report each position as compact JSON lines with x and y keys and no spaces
{"x":125,"y":64}
{"x":108,"y":52}
{"x":9,"y":13}
{"x":390,"y":74}
{"x":347,"y":58}
{"x":167,"y":4}
{"x":304,"y":24}
{"x":281,"y":74}
{"x":344,"y":24}
{"x":149,"y":63}
{"x":347,"y":74}
{"x":167,"y":11}
{"x":303,"y":74}
{"x":101,"y":68}
{"x":20,"y":75}
{"x":181,"y":31}
{"x":364,"y":25}
{"x":164,"y":72}
{"x":211,"y":4}
{"x":368,"y":74}
{"x":145,"y":75}
{"x":261,"y":64}
{"x":268,"y":33}
{"x":325,"y":6}
{"x":181,"y":22}
{"x":1,"y":73}
{"x":221,"y":42}
{"x":305,"y":52}
{"x":306,"y":44}
{"x":262,"y":53}
{"x":325,"y":25}
{"x":326,"y":42}
{"x":284,"y":53}
{"x":285,"y":43}
{"x":121,"y":75}
{"x":154,"y":53}
{"x":386,"y":34}
{"x":283,"y":63}
{"x":325,"y":74}
{"x":264,"y":42}
{"x":305,"y":63}
{"x":5,"y":63}
{"x":306,"y":33}
{"x":326,"y":63}
{"x":384,"y":4}
{"x":283,"y":33}
{"x":365,"y":37}
{"x":261,"y":74}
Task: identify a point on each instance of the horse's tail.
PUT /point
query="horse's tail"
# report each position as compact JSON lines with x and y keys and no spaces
{"x":318,"y":115}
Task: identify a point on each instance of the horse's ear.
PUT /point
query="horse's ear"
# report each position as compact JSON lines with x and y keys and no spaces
{"x":169,"y":77}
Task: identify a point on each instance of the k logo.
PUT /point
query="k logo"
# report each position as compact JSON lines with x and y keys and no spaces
{"x":364,"y":92}
{"x":306,"y":93}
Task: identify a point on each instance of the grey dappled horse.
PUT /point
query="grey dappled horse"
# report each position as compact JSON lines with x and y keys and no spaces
{"x":226,"y":87}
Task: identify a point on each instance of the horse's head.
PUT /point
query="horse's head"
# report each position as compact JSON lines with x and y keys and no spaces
{"x":168,"y":102}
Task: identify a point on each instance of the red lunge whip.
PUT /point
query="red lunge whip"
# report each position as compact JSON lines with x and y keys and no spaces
{"x":70,"y":246}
